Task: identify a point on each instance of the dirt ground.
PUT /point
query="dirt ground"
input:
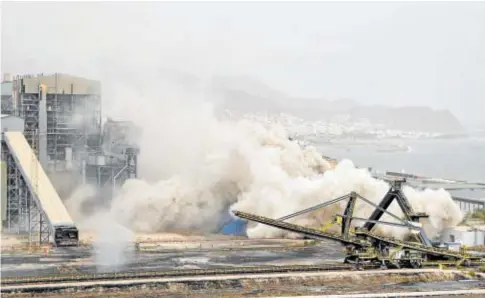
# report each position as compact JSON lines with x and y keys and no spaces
{"x":279,"y":286}
{"x":8,"y":240}
{"x":89,"y":237}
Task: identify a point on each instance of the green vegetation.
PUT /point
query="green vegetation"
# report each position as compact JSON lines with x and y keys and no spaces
{"x":478,"y":215}
{"x":311,"y":242}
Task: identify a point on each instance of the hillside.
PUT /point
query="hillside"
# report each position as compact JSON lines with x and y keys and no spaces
{"x":245,"y":94}
{"x":239,"y":96}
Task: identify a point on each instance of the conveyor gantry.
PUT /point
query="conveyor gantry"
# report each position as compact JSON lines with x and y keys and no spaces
{"x":361,"y":242}
{"x":308,"y":232}
{"x":33,"y":205}
{"x":396,"y":193}
{"x":355,"y":241}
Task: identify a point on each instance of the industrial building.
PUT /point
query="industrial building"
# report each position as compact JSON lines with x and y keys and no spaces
{"x":469,"y":235}
{"x":60,"y":117}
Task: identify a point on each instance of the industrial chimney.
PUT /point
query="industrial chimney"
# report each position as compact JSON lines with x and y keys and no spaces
{"x":6,"y":77}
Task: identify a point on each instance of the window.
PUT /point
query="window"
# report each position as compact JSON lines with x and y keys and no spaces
{"x":452,"y":238}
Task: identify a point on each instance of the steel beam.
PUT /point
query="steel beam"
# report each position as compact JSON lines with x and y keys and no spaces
{"x":23,"y":212}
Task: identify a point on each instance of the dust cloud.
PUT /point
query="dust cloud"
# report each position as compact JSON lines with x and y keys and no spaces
{"x":112,"y":241}
{"x":194,"y":167}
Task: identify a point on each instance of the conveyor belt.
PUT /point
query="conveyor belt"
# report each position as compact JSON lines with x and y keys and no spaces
{"x":310,"y":233}
{"x":42,"y":189}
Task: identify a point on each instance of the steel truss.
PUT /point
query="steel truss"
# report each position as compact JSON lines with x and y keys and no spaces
{"x":24,"y":216}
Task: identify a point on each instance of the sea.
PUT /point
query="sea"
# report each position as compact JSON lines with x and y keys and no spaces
{"x":460,"y":159}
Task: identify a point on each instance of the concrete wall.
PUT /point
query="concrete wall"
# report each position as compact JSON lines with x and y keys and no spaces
{"x":6,"y":88}
{"x":11,"y":123}
{"x":62,"y":83}
{"x":465,"y":236}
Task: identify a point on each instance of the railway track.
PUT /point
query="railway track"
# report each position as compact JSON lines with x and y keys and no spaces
{"x":46,"y":279}
{"x":176,"y":273}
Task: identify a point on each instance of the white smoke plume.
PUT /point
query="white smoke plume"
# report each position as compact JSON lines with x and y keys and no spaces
{"x":194,"y":166}
{"x":245,"y":166}
{"x":341,"y":181}
{"x":113,"y":242}
{"x":77,"y":201}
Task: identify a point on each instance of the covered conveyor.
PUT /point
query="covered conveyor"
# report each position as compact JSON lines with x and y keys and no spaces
{"x":33,"y":203}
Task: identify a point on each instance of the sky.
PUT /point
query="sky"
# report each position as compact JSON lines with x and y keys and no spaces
{"x":393,"y":53}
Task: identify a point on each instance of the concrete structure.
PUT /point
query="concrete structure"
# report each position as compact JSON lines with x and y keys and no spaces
{"x":116,"y":161}
{"x":469,"y":205}
{"x":11,"y":123}
{"x":7,"y":104}
{"x":465,"y":235}
{"x":62,"y":115}
{"x":63,"y":125}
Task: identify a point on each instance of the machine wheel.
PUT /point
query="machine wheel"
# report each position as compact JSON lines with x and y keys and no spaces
{"x":467,"y":263}
{"x":359,"y":265}
{"x":394,"y":265}
{"x":415,"y":264}
{"x":382,"y":265}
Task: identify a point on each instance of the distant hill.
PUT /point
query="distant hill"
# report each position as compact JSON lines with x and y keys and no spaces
{"x":410,"y":118}
{"x":246,"y":94}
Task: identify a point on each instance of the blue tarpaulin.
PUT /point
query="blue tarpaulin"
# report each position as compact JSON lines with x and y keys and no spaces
{"x":235,"y":227}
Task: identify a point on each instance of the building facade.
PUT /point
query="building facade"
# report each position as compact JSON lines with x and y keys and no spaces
{"x":62,"y":117}
{"x":465,"y":235}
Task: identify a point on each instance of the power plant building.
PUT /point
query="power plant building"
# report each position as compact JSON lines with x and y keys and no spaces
{"x":60,"y":117}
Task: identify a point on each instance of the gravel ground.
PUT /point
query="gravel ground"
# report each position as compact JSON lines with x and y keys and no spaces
{"x":214,"y":255}
{"x":91,"y":260}
{"x":324,"y":283}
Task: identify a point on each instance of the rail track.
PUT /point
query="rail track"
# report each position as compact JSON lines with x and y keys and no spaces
{"x":176,"y":273}
{"x":46,"y":279}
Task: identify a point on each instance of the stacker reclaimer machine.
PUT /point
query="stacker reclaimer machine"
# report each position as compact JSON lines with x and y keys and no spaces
{"x":363,"y":246}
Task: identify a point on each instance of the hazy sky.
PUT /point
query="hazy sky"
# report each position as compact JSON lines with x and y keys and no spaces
{"x":377,"y":53}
